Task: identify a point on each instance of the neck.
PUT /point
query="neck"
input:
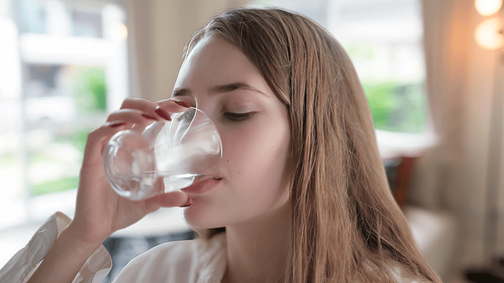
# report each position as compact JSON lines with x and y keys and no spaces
{"x":257,"y":250}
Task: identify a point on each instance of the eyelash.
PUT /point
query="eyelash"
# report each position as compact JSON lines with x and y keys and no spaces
{"x":237,"y":117}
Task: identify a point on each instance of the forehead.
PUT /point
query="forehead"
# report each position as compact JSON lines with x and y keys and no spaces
{"x":215,"y":58}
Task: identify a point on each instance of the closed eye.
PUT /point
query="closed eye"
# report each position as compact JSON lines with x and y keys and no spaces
{"x":238,"y":116}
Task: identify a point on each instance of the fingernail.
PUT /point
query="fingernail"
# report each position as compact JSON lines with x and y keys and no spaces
{"x":189,"y":202}
{"x":116,"y":124}
{"x":182,"y":103}
{"x":149,"y":117}
{"x":163,"y":114}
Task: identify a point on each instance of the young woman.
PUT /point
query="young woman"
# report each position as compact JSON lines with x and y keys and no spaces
{"x":301,"y":195}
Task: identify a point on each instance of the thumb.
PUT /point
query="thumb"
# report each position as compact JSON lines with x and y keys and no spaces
{"x":171,"y":199}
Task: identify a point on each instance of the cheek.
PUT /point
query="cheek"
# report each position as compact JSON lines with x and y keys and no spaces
{"x":253,"y":164}
{"x":254,"y":156}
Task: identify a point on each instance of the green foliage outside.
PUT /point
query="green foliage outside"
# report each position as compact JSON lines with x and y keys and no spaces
{"x":7,"y":160}
{"x":90,"y":90}
{"x":77,"y":138}
{"x":397,"y":107}
{"x":62,"y":184}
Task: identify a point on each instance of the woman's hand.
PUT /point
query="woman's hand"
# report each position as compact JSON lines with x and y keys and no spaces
{"x":100,"y":211}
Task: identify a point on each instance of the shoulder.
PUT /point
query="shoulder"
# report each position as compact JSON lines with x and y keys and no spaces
{"x":178,"y":261}
{"x":173,"y":260}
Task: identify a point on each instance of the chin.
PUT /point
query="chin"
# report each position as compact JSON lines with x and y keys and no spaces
{"x":196,"y":218}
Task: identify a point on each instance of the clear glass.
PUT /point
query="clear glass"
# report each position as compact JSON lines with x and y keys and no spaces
{"x":166,"y":156}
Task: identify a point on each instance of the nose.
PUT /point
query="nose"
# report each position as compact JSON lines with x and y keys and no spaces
{"x":206,"y":107}
{"x":211,"y":108}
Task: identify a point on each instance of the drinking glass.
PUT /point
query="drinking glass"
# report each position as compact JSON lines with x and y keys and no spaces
{"x":166,"y":156}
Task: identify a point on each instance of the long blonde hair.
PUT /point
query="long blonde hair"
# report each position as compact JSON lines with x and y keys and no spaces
{"x":346,"y":226}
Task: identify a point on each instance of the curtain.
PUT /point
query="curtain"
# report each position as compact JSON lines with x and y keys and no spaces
{"x":452,"y":174}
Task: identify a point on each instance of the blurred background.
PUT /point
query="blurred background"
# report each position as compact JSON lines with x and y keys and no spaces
{"x":432,"y":72}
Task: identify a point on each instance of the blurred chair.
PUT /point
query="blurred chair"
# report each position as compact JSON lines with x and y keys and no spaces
{"x":434,"y":231}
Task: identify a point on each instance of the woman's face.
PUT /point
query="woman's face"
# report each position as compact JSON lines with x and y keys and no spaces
{"x":254,"y":127}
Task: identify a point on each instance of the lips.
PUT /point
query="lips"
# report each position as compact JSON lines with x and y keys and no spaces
{"x":200,"y":187}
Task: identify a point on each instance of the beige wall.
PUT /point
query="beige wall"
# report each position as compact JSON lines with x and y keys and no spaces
{"x":158,"y":31}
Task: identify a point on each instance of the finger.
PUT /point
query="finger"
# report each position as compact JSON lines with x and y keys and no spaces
{"x":173,"y":105}
{"x":166,"y":106}
{"x":140,"y":104}
{"x":133,"y":117}
{"x":97,"y":139}
{"x":171,"y":199}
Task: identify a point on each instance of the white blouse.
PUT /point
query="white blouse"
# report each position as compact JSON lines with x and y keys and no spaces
{"x":195,"y":261}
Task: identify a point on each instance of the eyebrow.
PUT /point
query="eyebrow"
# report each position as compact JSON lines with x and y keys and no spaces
{"x":218,"y":89}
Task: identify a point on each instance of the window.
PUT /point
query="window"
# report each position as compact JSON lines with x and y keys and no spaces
{"x":56,"y":135}
{"x":384,"y":40}
{"x":63,"y":66}
{"x":31,"y":16}
{"x":86,"y":24}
